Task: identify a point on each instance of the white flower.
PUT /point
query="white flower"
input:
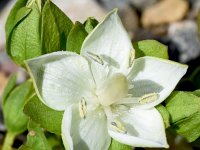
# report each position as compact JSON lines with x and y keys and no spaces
{"x":105,"y":92}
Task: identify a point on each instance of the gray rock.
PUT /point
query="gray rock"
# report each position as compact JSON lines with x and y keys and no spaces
{"x":129,"y":19}
{"x":139,"y":4}
{"x":185,"y":35}
{"x":142,"y":4}
{"x":127,"y":14}
{"x":110,"y":4}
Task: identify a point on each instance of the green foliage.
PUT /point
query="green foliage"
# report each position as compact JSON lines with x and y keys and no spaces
{"x":46,"y":117}
{"x":25,"y":147}
{"x":197,"y":92}
{"x":11,"y":21}
{"x":118,"y":146}
{"x":184,"y":110}
{"x":9,"y":87}
{"x":78,"y":34}
{"x":55,"y":141}
{"x":55,"y":28}
{"x":40,"y":27}
{"x":36,"y":139}
{"x":14,"y":118}
{"x":23,"y":34}
{"x":76,"y":37}
{"x":195,"y":77}
{"x":165,"y":115}
{"x":32,"y":31}
{"x":90,"y":24}
{"x":150,"y":48}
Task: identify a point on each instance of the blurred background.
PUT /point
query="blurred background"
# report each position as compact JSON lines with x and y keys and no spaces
{"x":171,"y":22}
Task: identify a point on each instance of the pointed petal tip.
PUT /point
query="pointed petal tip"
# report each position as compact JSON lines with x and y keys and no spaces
{"x":115,"y":10}
{"x":112,"y":13}
{"x":166,"y":145}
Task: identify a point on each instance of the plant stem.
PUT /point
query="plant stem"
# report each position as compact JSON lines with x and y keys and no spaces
{"x":8,"y":141}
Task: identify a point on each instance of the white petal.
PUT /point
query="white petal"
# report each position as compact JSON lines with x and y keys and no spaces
{"x":85,"y":134}
{"x":61,"y":79}
{"x":110,"y":41}
{"x":145,"y":128}
{"x":154,"y":75}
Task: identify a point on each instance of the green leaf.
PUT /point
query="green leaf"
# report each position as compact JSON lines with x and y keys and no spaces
{"x":21,"y":14}
{"x":25,"y":147}
{"x":184,"y":110}
{"x":55,"y":28}
{"x":165,"y":115}
{"x":189,"y":127}
{"x":9,"y":87}
{"x":36,"y":139}
{"x":118,"y":146}
{"x":24,"y":40}
{"x":11,"y":22}
{"x":181,"y":105}
{"x":195,"y":77}
{"x":90,"y":24}
{"x":76,"y":37}
{"x":43,"y":115}
{"x":197,"y":93}
{"x":150,"y":48}
{"x":55,"y":141}
{"x":15,"y":119}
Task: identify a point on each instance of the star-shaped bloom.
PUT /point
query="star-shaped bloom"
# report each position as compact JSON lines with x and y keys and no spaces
{"x":105,"y":92}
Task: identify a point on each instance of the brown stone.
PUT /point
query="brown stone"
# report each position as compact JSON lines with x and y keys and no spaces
{"x":3,"y":82}
{"x":166,"y":11}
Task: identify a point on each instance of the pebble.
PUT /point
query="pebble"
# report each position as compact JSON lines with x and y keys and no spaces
{"x":185,"y":35}
{"x":138,"y":4}
{"x":164,"y":12}
{"x":3,"y":82}
{"x":129,"y":19}
{"x":127,"y":14}
{"x":142,"y":4}
{"x":110,"y":4}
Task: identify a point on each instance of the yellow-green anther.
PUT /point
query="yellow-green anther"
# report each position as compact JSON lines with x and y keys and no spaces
{"x":131,"y":57}
{"x":150,"y":97}
{"x":118,"y":126}
{"x":95,"y":57}
{"x":82,"y":108}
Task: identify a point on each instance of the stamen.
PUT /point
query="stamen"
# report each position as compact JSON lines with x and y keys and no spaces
{"x":95,"y":57}
{"x":131,"y":57}
{"x":148,"y":98}
{"x":82,"y":108}
{"x":117,"y":126}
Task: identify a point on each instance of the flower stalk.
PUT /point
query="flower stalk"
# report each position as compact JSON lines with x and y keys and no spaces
{"x":8,"y":141}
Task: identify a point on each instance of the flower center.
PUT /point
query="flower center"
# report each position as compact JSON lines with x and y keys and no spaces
{"x":115,"y":88}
